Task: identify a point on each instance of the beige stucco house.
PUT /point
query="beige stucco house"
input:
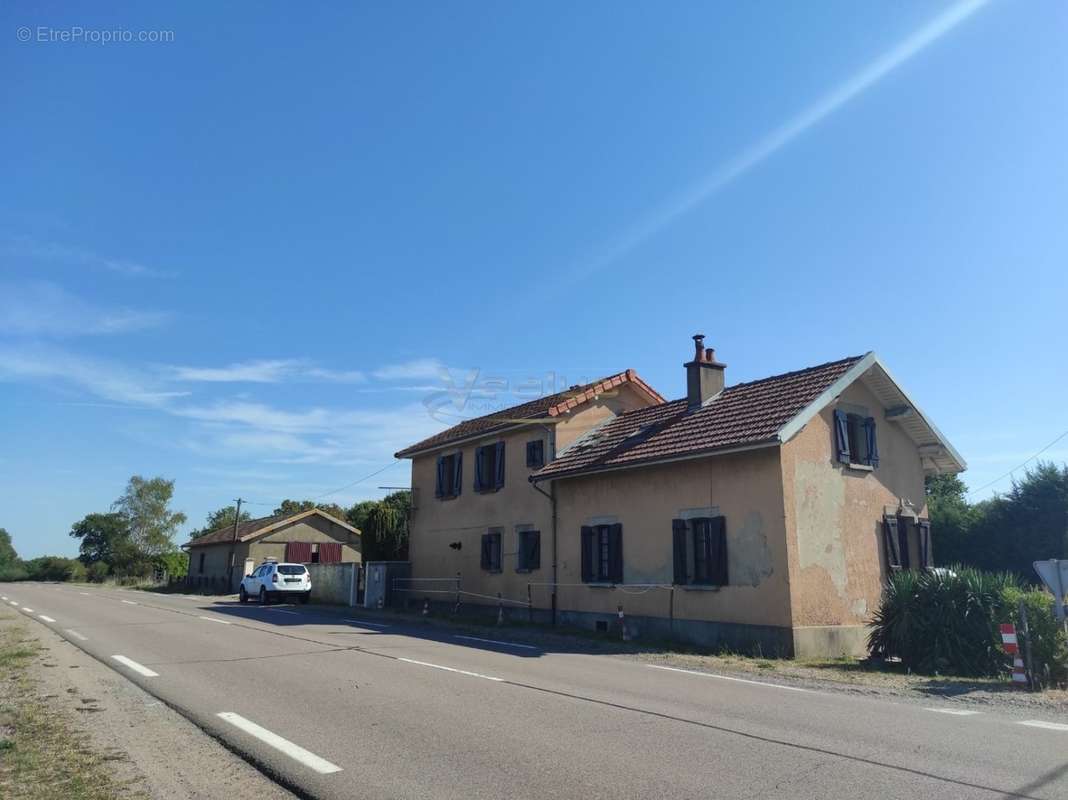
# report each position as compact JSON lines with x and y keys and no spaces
{"x":761,"y":515}
{"x":306,"y":537}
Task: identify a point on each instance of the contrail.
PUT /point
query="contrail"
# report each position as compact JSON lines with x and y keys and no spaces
{"x":785,"y":133}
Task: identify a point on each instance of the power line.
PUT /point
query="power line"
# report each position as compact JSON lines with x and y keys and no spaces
{"x":332,"y":491}
{"x":1018,"y":466}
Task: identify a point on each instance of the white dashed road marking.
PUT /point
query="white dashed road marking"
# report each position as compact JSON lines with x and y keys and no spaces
{"x":294,"y":751}
{"x":371,"y":624}
{"x":451,"y":669}
{"x":13,"y":602}
{"x":1050,"y":726}
{"x":77,"y":635}
{"x":728,"y":678}
{"x":495,"y":641}
{"x":960,"y":712}
{"x":86,"y":594}
{"x":129,"y":662}
{"x":46,"y":619}
{"x":283,"y":611}
{"x":212,"y":619}
{"x":27,"y":610}
{"x":129,"y":602}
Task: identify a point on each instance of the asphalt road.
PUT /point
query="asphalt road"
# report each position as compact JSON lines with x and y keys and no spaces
{"x":336,"y":708}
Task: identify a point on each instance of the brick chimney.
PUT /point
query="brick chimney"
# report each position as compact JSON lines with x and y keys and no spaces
{"x":704,"y":375}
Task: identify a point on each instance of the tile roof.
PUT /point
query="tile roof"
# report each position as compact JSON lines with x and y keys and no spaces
{"x":248,"y":528}
{"x":744,"y":414}
{"x":548,"y":406}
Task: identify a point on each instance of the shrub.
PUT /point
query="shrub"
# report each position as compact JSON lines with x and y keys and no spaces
{"x":1049,"y":644}
{"x":943,"y":622}
{"x":97,"y":571}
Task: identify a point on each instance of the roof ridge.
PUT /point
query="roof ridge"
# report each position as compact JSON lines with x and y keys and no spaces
{"x":794,"y":372}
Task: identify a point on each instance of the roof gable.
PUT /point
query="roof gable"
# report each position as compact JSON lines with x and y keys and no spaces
{"x":542,"y":408}
{"x":250,"y":529}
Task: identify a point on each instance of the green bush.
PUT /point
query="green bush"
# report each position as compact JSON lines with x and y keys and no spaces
{"x":942,"y":622}
{"x":97,"y":571}
{"x":1049,"y":644}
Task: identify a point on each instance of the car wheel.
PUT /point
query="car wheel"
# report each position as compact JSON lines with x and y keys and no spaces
{"x":305,"y":597}
{"x":263,"y":596}
{"x":242,"y":595}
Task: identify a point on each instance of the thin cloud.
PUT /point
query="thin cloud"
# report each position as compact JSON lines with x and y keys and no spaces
{"x":777,"y":139}
{"x":56,"y":251}
{"x":264,"y":371}
{"x":46,"y":309}
{"x":419,"y":369}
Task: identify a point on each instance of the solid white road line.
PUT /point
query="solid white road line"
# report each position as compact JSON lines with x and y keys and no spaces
{"x":77,"y":635}
{"x":451,"y":669}
{"x":129,"y":662}
{"x":371,"y":624}
{"x":960,"y":712}
{"x":496,"y":641}
{"x":1050,"y":726}
{"x":212,"y":619}
{"x":728,"y":678}
{"x":129,"y":602}
{"x":46,"y":619}
{"x":294,"y":751}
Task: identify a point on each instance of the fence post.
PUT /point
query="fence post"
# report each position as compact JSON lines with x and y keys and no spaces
{"x":622,"y":623}
{"x":500,"y":609}
{"x":1029,"y":664}
{"x":530,"y":605}
{"x":456,"y":610}
{"x":671,"y":613}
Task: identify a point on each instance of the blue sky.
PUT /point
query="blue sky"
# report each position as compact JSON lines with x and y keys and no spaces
{"x":249,"y":259}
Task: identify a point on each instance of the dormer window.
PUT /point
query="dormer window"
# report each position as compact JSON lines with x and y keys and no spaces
{"x":854,"y":439}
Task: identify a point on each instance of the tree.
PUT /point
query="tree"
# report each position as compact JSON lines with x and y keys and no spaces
{"x":145,"y":506}
{"x":216,"y":520}
{"x":951,"y":518}
{"x":384,"y":527}
{"x":288,"y":507}
{"x":8,"y":557}
{"x":104,"y":537}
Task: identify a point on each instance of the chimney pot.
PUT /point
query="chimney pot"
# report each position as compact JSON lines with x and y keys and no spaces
{"x":698,"y":346}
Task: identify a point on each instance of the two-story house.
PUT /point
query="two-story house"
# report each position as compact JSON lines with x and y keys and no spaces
{"x":761,"y":515}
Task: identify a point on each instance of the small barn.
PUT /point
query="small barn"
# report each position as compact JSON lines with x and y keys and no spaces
{"x":220,"y":559}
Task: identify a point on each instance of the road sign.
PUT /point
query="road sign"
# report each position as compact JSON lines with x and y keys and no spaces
{"x":1054,"y":573}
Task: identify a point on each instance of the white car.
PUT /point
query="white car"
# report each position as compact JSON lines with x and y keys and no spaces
{"x":271,"y":580}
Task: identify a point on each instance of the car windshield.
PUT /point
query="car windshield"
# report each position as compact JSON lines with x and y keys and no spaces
{"x":292,"y":569}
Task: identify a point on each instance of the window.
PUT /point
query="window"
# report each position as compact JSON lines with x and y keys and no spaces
{"x":896,"y":536}
{"x":449,"y":476}
{"x":926,"y":557}
{"x":699,"y":547}
{"x":315,"y":554}
{"x":291,"y":569}
{"x":536,"y":454}
{"x":489,"y":467}
{"x":854,"y":439}
{"x":602,"y":553}
{"x":491,"y":551}
{"x":200,"y":568}
{"x":529,"y":556}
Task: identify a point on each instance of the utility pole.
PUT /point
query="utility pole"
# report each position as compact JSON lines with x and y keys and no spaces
{"x":233,"y":544}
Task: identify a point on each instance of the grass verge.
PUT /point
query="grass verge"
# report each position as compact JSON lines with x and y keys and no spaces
{"x":43,"y":756}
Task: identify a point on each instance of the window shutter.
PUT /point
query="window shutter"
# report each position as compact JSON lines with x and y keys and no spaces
{"x":534,"y":560}
{"x":457,"y":474}
{"x":439,"y":489}
{"x":486,"y":551}
{"x":615,"y":553}
{"x":841,"y":436}
{"x":498,"y":478}
{"x":329,"y":552}
{"x":717,"y":545}
{"x":926,"y":559}
{"x":289,"y":556}
{"x":587,"y":553}
{"x":678,"y":549}
{"x":893,"y":554}
{"x":480,"y":479}
{"x":873,"y":447}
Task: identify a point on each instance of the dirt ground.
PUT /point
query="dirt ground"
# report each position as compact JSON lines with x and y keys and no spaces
{"x":103,"y":737}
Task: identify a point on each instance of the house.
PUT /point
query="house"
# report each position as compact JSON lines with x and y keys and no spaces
{"x":306,"y":537}
{"x":764,"y":515}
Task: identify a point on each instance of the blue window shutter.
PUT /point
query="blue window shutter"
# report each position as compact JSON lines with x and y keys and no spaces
{"x":458,"y":474}
{"x":587,"y":553}
{"x":439,"y":488}
{"x":615,"y":553}
{"x":873,"y":447}
{"x":498,"y":478}
{"x":926,"y":559}
{"x":841,"y":436}
{"x":678,"y":550}
{"x":893,"y":553}
{"x":717,"y":569}
{"x":486,"y":552}
{"x":480,"y":480}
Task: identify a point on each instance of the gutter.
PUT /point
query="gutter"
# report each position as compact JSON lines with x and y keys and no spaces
{"x":551,"y":494}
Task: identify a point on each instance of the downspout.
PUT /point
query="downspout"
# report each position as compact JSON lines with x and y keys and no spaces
{"x":551,"y":494}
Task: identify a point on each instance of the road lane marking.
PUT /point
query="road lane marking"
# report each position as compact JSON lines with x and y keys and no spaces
{"x":212,"y":619}
{"x":960,"y":712}
{"x":77,"y":635}
{"x":372,"y":624}
{"x":294,"y":751}
{"x":13,"y":602}
{"x":84,"y":593}
{"x":46,"y":619}
{"x":283,"y":611}
{"x":3,"y":598}
{"x":497,"y":641}
{"x":728,"y":678}
{"x":1050,"y":726}
{"x":129,"y":602}
{"x":27,"y":610}
{"x":129,"y":662}
{"x":451,"y":669}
